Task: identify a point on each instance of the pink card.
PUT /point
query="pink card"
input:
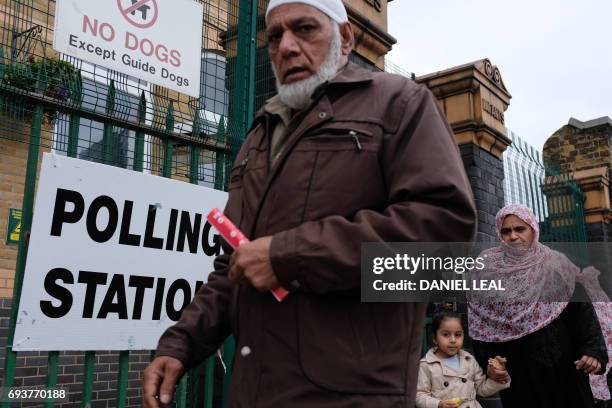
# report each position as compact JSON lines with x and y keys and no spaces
{"x":235,"y":238}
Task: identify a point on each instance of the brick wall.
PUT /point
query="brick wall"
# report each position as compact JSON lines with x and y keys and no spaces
{"x":486,"y":175}
{"x":32,"y":369}
{"x":13,"y":161}
{"x":599,"y":232}
{"x":14,"y":137}
{"x":574,"y":149}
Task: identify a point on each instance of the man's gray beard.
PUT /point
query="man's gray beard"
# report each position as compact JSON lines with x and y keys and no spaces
{"x":297,"y":95}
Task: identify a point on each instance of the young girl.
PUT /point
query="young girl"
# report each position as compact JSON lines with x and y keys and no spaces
{"x":450,"y":377}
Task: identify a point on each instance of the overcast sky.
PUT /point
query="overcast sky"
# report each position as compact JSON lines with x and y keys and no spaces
{"x":555,"y":56}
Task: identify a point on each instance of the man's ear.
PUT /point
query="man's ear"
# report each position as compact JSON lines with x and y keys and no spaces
{"x":347,"y":38}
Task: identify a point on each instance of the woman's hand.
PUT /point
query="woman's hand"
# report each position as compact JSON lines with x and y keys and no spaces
{"x":448,"y":404}
{"x":496,"y":370}
{"x":588,"y":364}
{"x":499,"y":376}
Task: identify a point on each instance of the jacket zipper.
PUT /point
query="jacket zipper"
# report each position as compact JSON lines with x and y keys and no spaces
{"x":269,"y":144}
{"x":277,"y":156}
{"x":353,"y":134}
{"x":236,"y":293}
{"x":312,"y":172}
{"x":243,"y":165}
{"x":355,"y":137}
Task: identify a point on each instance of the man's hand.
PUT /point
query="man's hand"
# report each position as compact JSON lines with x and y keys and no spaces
{"x":588,"y":364}
{"x":159,"y":380}
{"x":251,"y":261}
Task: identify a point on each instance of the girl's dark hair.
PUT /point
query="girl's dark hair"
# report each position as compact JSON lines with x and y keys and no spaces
{"x":439,"y":317}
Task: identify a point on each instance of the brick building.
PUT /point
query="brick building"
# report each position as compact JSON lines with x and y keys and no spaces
{"x":584,"y":149}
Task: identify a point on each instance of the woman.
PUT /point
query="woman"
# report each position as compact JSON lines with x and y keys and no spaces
{"x":551,"y":345}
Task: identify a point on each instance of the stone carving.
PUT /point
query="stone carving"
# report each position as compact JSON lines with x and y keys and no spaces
{"x":492,"y":72}
{"x":376,"y":4}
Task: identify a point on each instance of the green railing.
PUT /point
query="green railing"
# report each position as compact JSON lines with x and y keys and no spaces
{"x":51,"y":102}
{"x":566,"y":220}
{"x":565,"y":201}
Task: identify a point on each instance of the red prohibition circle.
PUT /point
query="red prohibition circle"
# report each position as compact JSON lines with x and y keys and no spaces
{"x":125,"y":13}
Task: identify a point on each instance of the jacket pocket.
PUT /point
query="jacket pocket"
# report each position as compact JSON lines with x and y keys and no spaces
{"x":342,"y":347}
{"x":339,"y":139}
{"x":254,"y":160}
{"x":245,"y":180}
{"x":234,"y":206}
{"x":346,"y":175}
{"x":236,"y":174}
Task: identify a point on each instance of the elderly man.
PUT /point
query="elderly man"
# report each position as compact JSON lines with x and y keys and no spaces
{"x":339,"y":157}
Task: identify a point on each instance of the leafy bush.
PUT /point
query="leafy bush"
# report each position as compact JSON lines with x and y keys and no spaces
{"x":24,"y":75}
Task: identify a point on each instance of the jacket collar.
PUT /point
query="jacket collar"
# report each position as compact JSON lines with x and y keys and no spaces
{"x":431,"y":357}
{"x":464,"y":366}
{"x":351,"y":75}
{"x":274,"y":106}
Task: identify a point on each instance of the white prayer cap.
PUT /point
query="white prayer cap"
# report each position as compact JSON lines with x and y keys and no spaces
{"x":333,"y":8}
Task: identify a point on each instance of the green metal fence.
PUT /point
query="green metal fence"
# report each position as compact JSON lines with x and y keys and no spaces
{"x":54,"y":102}
{"x":565,"y":221}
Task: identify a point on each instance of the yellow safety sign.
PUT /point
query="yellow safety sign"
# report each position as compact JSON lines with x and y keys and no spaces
{"x":14,"y":226}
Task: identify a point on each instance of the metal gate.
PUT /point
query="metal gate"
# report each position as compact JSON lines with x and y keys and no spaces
{"x":565,"y":221}
{"x":54,"y":102}
{"x":565,"y":225}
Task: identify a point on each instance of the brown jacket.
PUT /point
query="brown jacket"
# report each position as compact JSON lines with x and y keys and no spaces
{"x":372,"y":160}
{"x":438,"y":382}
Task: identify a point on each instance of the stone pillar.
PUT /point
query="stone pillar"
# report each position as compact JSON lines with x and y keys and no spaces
{"x":369,"y":21}
{"x":474,"y":98}
{"x":585,"y":150}
{"x":595,"y":185}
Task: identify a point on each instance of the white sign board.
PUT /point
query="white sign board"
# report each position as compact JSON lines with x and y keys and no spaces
{"x":155,"y":40}
{"x":114,"y":256}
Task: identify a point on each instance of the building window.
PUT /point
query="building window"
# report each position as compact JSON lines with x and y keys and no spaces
{"x":213,"y":93}
{"x":91,"y":133}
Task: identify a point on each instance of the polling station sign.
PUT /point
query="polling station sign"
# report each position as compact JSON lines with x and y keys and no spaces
{"x":114,"y":256}
{"x":155,"y":40}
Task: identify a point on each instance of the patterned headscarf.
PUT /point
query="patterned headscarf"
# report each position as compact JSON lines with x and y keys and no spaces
{"x":521,"y":211}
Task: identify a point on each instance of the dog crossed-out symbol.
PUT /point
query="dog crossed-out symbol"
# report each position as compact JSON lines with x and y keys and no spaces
{"x":143,"y":9}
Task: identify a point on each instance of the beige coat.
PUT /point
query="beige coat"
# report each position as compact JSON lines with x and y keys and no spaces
{"x":438,"y":382}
